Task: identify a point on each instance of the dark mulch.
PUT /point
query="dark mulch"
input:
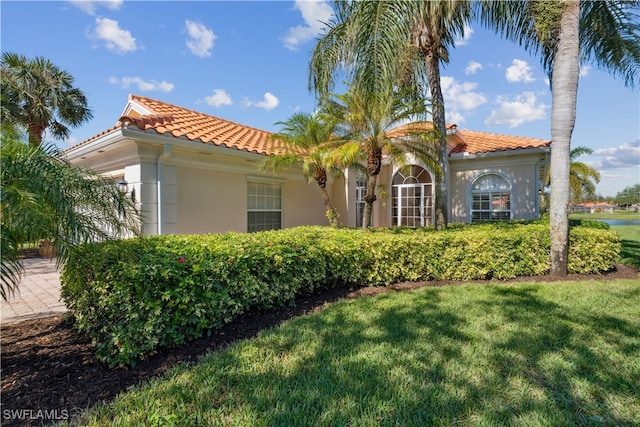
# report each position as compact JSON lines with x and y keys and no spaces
{"x":49,"y":370}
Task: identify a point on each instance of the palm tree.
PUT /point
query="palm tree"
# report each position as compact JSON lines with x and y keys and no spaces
{"x":369,"y":119}
{"x":313,"y":141}
{"x":382,"y":45}
{"x":605,"y":32}
{"x":582,"y":178}
{"x":39,"y":96}
{"x":43,"y":196}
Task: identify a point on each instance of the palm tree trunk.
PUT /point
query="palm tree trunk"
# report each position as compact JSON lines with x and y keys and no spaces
{"x":440,"y":124}
{"x":332,"y":214}
{"x":34,"y":133}
{"x":374,"y":164}
{"x":564,"y":84}
{"x":369,"y":198}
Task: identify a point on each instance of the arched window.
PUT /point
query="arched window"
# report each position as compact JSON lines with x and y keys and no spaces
{"x":412,"y":197}
{"x":491,"y":198}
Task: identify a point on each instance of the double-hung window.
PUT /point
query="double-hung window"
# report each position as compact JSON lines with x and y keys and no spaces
{"x":361,"y":191}
{"x":491,"y":198}
{"x":264,"y":206}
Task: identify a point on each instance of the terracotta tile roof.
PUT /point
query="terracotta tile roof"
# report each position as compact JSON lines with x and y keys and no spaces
{"x":473,"y":142}
{"x":195,"y":126}
{"x":167,"y":119}
{"x":595,"y":204}
{"x":414,"y":127}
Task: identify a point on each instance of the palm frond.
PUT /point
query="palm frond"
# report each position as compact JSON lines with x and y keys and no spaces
{"x":44,"y":197}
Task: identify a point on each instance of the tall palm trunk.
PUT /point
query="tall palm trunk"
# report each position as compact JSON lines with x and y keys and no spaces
{"x":564,"y":86}
{"x":374,"y":164}
{"x":331,"y":212}
{"x":440,"y":124}
{"x":35,"y":132}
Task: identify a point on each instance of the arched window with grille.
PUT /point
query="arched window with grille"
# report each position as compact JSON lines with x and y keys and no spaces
{"x":491,"y":198}
{"x":412,"y":197}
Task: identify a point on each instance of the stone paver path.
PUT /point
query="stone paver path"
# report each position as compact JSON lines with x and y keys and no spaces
{"x":38,"y":293}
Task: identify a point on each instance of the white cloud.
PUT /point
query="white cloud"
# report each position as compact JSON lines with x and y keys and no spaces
{"x":200,"y":41}
{"x":624,"y":156}
{"x":143,"y":86}
{"x":468,"y":31}
{"x":472,"y":67}
{"x":269,"y":102}
{"x":90,"y":7}
{"x":584,"y":70}
{"x":454,"y":117}
{"x":460,"y":97}
{"x":524,"y":108}
{"x":115,"y":38}
{"x":315,"y":14}
{"x":220,"y":97}
{"x":519,"y":71}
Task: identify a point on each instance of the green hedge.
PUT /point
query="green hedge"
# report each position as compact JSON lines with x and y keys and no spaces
{"x":134,"y":296}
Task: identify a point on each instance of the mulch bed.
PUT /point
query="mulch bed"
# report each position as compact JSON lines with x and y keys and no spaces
{"x":49,"y":370}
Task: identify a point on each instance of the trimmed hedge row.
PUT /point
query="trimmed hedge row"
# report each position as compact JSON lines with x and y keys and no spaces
{"x":134,"y":296}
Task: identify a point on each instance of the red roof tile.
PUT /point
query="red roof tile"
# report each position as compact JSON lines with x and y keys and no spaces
{"x":164,"y":118}
{"x":473,"y":142}
{"x":195,"y":126}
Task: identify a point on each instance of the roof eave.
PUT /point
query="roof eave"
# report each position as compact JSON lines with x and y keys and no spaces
{"x":185,"y":143}
{"x":500,"y":153}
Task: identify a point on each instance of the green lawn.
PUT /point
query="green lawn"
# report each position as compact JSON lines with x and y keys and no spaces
{"x":556,"y":354}
{"x":630,"y":253}
{"x":622,"y":215}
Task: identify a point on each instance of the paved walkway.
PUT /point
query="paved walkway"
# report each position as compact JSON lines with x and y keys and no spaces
{"x":38,"y":293}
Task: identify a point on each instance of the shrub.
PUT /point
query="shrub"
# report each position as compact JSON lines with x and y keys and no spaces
{"x":134,"y":296}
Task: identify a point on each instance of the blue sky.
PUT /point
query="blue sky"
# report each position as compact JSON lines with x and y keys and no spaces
{"x":247,"y":62}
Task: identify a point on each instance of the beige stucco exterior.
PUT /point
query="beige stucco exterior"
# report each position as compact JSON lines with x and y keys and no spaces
{"x":521,"y":170}
{"x":187,"y":187}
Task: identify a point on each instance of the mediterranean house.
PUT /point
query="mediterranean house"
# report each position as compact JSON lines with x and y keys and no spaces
{"x":593,"y":207}
{"x":190,"y":172}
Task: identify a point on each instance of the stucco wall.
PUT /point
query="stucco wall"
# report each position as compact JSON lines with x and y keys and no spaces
{"x":210,"y":201}
{"x":520,"y":171}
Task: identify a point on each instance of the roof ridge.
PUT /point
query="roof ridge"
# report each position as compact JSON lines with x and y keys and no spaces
{"x":131,"y":96}
{"x":501,"y":134}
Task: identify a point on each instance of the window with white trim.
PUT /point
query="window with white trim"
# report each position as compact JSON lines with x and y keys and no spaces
{"x":491,"y":198}
{"x":361,"y":191}
{"x":412,"y":198}
{"x":264,"y":206}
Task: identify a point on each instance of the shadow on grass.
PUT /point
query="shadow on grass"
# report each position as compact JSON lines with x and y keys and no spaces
{"x":500,"y":355}
{"x":570,"y":361}
{"x":630,"y":253}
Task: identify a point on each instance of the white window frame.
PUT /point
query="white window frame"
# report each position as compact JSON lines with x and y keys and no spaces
{"x":482,"y":201}
{"x":426,"y":195}
{"x":361,"y":191}
{"x":262,"y":198}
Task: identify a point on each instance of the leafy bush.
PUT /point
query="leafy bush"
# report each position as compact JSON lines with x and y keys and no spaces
{"x":134,"y":296}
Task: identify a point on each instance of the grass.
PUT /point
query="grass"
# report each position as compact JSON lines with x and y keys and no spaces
{"x":630,"y":252}
{"x":621,"y":215}
{"x":561,"y":354}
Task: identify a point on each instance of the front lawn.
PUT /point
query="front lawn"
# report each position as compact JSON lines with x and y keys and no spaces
{"x":561,"y":354}
{"x":630,"y":239}
{"x":619,"y":215}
